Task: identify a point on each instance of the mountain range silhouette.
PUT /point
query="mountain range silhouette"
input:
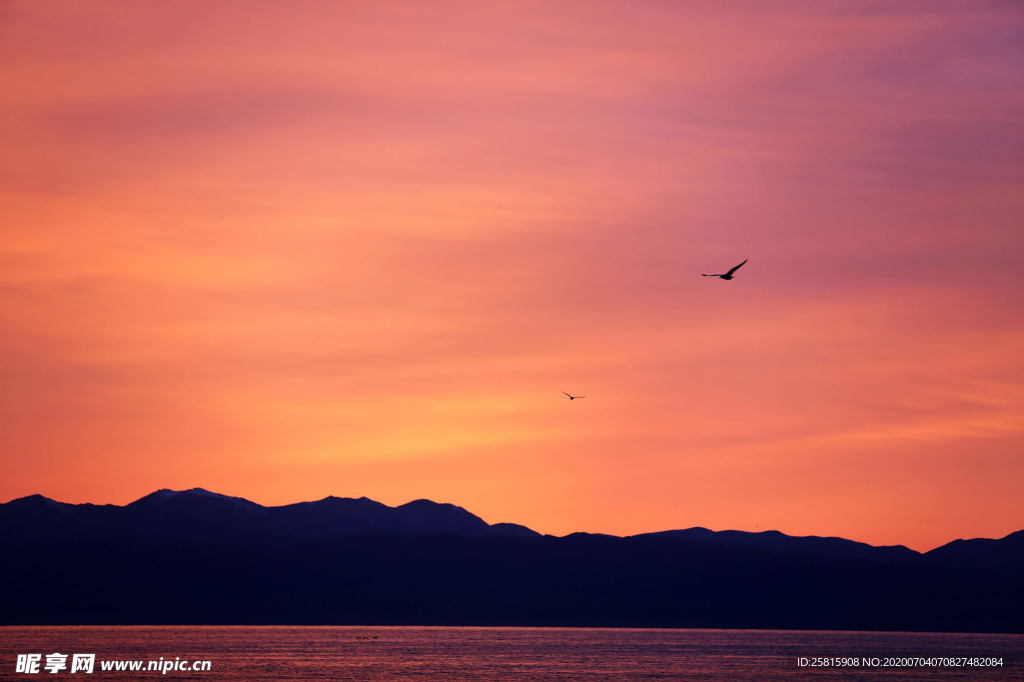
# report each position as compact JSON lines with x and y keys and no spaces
{"x":197,"y":557}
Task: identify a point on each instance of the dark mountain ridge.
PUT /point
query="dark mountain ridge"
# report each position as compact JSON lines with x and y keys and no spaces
{"x":199,"y":513}
{"x":196,"y":557}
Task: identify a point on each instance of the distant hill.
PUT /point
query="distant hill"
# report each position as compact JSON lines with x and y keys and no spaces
{"x":1005,"y":555}
{"x":775,"y":541}
{"x":196,"y":557}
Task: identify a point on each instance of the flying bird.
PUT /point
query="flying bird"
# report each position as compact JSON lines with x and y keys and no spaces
{"x":728,"y":275}
{"x":573,"y":397}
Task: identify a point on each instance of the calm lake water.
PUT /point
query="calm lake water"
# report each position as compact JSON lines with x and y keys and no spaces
{"x":497,"y":654}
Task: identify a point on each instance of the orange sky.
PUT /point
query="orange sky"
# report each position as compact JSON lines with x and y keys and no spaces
{"x":288,"y":250}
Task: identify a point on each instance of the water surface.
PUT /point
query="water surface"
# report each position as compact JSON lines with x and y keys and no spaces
{"x":498,"y":654}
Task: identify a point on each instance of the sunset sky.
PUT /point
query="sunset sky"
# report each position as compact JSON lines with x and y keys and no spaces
{"x":291,"y":250}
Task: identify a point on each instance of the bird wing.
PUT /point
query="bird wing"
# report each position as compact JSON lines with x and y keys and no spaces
{"x":566,"y":394}
{"x":737,"y":267}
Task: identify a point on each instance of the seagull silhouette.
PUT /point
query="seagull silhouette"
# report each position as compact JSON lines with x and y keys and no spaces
{"x":728,"y":275}
{"x":573,"y":397}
